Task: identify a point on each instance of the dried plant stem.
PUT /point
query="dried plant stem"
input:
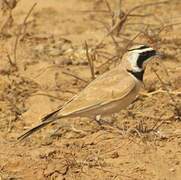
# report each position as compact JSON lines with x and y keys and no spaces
{"x":48,"y":95}
{"x":121,"y":21}
{"x":160,"y":91}
{"x":90,"y":60}
{"x":146,"y":5}
{"x":22,"y":28}
{"x":75,"y":76}
{"x":108,"y":7}
{"x":10,"y":60}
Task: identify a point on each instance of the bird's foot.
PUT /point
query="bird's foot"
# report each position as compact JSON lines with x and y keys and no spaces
{"x":102,"y":123}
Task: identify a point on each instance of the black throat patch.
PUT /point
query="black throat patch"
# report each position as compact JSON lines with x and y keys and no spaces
{"x":138,"y":75}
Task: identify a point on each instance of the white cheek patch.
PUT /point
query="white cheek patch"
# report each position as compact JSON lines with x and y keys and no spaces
{"x":133,"y":61}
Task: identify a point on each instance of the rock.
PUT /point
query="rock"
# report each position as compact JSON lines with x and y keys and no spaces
{"x":114,"y":155}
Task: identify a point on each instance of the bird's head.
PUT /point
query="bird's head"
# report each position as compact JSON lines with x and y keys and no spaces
{"x":136,"y":59}
{"x":138,"y":56}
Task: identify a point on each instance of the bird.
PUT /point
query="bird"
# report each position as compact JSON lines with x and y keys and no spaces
{"x":109,"y":93}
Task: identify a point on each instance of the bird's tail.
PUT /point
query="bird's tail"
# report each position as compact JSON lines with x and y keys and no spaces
{"x":45,"y":121}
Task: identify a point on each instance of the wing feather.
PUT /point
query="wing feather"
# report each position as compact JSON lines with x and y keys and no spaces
{"x":109,"y":87}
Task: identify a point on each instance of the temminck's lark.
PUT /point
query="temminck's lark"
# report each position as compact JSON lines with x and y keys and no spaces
{"x":108,"y":93}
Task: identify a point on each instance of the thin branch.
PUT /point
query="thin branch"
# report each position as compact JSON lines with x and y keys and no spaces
{"x":112,"y":37}
{"x":176,"y":93}
{"x":48,"y":95}
{"x":121,"y":21}
{"x":140,"y":15}
{"x":20,"y":31}
{"x":91,"y":64}
{"x":10,"y":60}
{"x":146,"y":5}
{"x":108,"y":7}
{"x":75,"y":76}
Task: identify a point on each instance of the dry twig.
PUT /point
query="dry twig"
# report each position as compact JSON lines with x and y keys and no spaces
{"x":7,"y":8}
{"x":90,"y":60}
{"x":75,"y":76}
{"x":21,"y":31}
{"x":124,"y":16}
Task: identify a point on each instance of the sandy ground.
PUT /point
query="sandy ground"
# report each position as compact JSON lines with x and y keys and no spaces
{"x":51,"y":66}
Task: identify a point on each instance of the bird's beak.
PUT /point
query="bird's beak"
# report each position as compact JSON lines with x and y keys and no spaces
{"x":159,"y":55}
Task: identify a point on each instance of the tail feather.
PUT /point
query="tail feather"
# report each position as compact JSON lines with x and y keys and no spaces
{"x":45,"y":121}
{"x":34,"y":129}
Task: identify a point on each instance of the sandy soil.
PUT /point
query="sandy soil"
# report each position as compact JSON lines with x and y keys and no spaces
{"x":51,"y":66}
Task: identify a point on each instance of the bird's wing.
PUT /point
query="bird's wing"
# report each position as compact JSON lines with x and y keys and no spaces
{"x":109,"y":87}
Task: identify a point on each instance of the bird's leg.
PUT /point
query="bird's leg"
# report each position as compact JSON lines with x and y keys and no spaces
{"x":108,"y":124}
{"x":100,"y":121}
